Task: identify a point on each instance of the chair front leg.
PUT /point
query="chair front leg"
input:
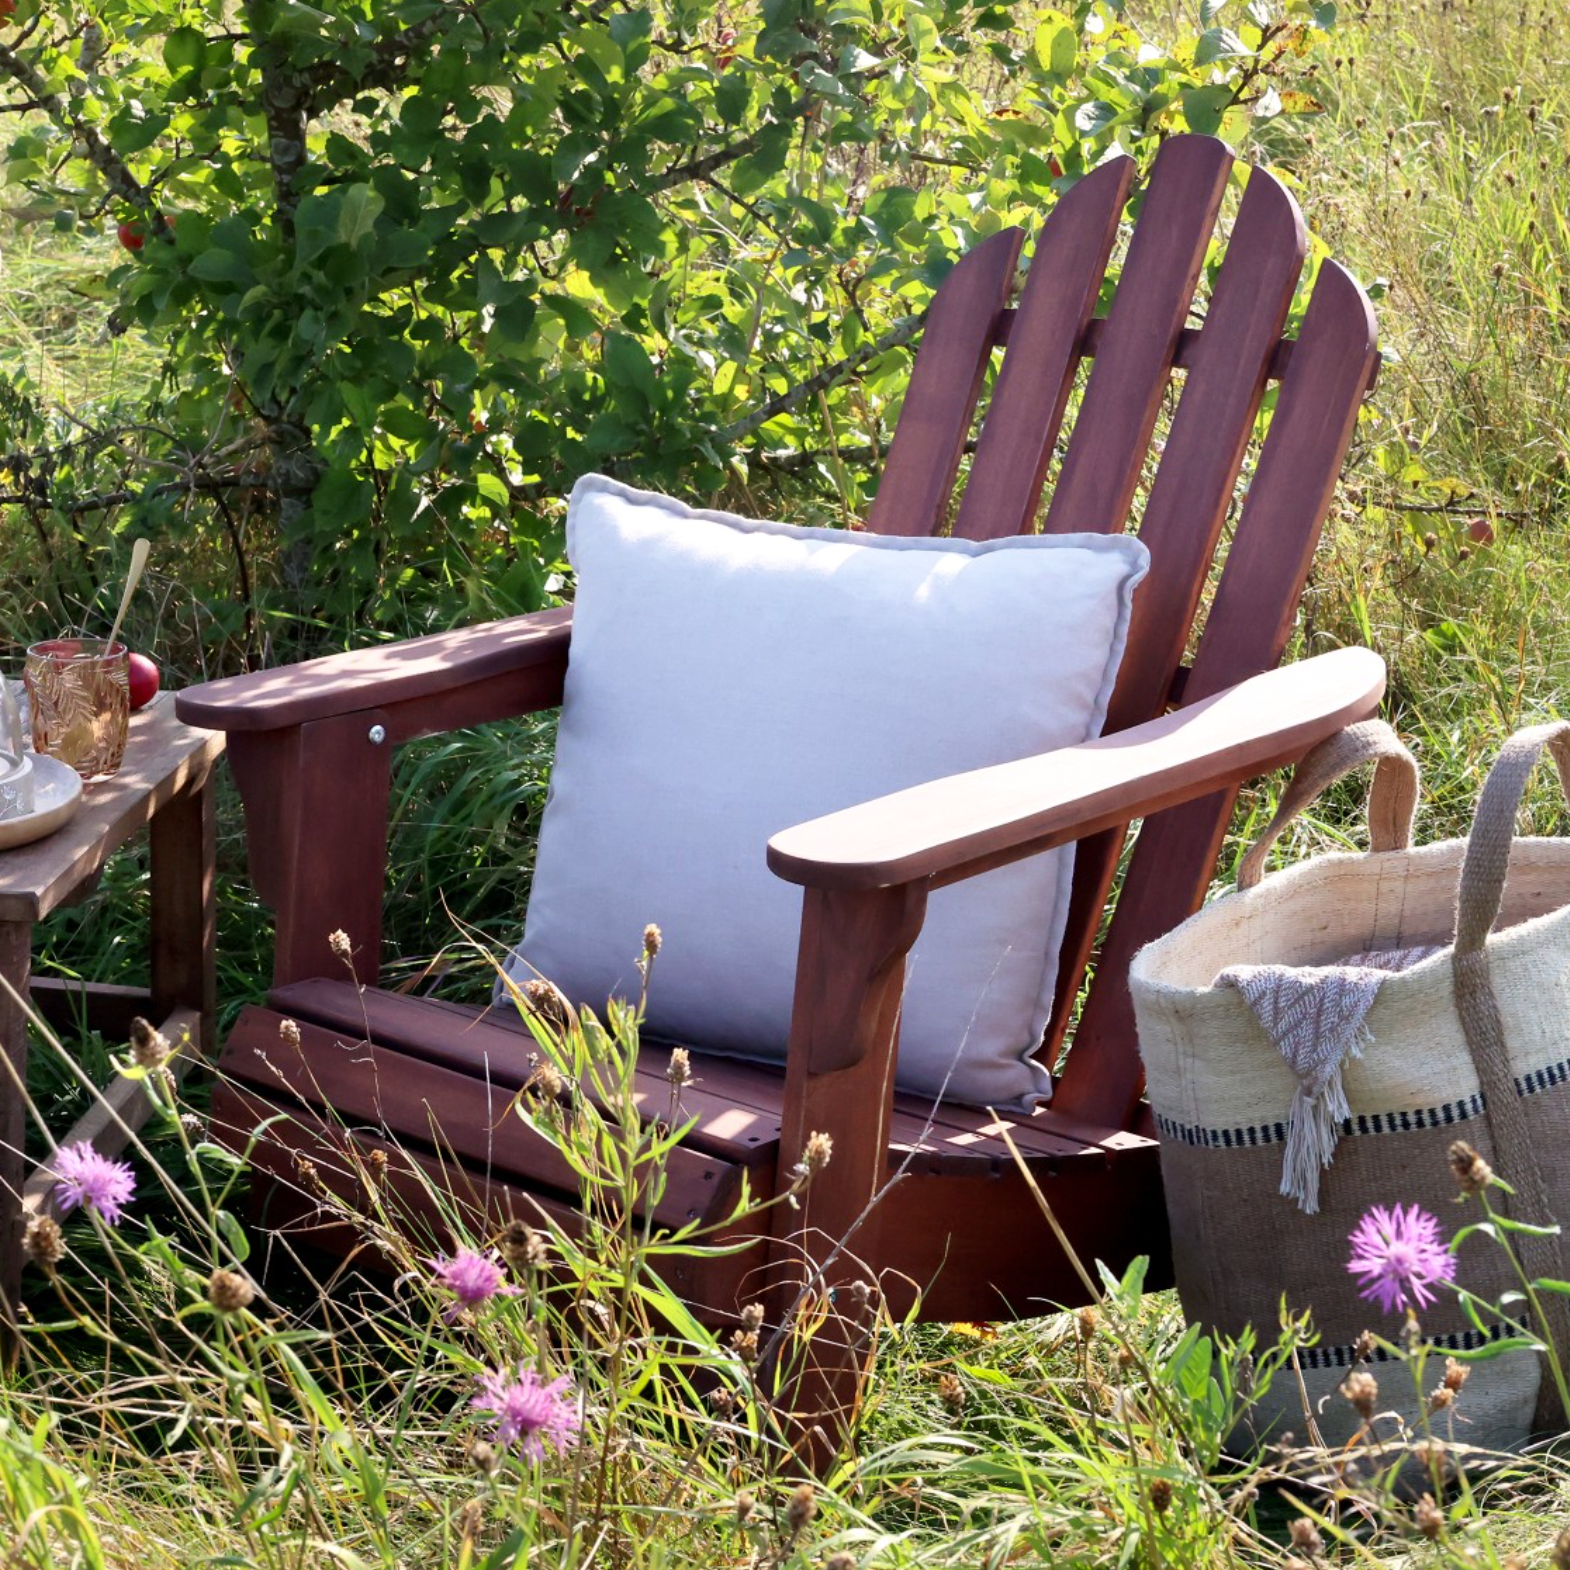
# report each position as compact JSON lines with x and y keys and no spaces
{"x":316,"y":798}
{"x":839,"y":1083}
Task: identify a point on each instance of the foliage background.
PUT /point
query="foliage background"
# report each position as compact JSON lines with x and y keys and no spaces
{"x":397,"y":273}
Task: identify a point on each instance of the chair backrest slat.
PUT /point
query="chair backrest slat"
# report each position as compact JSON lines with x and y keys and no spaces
{"x":1228,"y":365}
{"x":1128,"y":380}
{"x":1247,"y":630}
{"x":934,"y":423}
{"x":1044,"y":336}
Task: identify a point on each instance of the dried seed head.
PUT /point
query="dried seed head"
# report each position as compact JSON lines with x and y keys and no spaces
{"x":744,"y":1343}
{"x":1559,"y":1554}
{"x":1304,"y":1536}
{"x":229,"y":1292}
{"x":338,"y":942}
{"x":1441,"y":1398}
{"x":1456,"y":1375}
{"x":1160,"y":1495}
{"x":722,"y":1400}
{"x":840,"y":1561}
{"x":1086,"y":1321}
{"x":818,"y":1153}
{"x":1472,"y":1172}
{"x":541,"y":998}
{"x":679,"y":1070}
{"x":1127,"y":1357}
{"x":43,"y":1242}
{"x":149,"y":1045}
{"x":745,"y":1504}
{"x":471,"y":1518}
{"x":194,"y":1128}
{"x":1430,"y":1454}
{"x":377,"y":1163}
{"x":1428,"y":1518}
{"x":752,"y":1317}
{"x":289,"y":1033}
{"x":651,"y":940}
{"x":548,"y":1081}
{"x":1362,"y":1391}
{"x":801,"y":1507}
{"x":481,"y":1456}
{"x":952,"y":1392}
{"x":1431,"y":540}
{"x":1363,"y":1347}
{"x":521,"y":1246}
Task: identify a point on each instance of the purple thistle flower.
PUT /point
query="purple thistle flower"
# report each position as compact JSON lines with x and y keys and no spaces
{"x":529,"y":1410}
{"x":87,"y":1178}
{"x":1400,"y":1254}
{"x":472,"y":1278}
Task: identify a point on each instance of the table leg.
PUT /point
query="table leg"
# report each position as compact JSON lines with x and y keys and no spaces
{"x":16,"y":950}
{"x":185,"y":909}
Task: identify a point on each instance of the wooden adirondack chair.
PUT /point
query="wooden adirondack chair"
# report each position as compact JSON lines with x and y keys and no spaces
{"x":311,"y":745}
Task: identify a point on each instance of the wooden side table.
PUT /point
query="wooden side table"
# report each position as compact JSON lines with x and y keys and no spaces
{"x":164,"y":784}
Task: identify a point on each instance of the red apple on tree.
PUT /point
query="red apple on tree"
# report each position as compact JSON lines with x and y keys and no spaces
{"x":141,"y":676}
{"x":130,"y":236}
{"x":7,"y":11}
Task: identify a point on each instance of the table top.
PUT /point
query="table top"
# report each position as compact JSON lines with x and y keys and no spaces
{"x":162,"y":757}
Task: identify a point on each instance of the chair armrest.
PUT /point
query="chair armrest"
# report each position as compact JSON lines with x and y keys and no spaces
{"x":968,"y":823}
{"x":441,"y":682}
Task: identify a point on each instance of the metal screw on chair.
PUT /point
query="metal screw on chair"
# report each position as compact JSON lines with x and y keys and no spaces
{"x":378,"y":734}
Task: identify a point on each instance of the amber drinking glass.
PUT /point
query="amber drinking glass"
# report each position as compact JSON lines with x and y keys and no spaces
{"x":79,"y":689}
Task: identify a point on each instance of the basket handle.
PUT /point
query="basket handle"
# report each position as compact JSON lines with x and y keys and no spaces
{"x":1392,"y":798}
{"x":1477,"y":908}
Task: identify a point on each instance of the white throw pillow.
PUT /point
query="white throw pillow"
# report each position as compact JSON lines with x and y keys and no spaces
{"x":729,"y":678}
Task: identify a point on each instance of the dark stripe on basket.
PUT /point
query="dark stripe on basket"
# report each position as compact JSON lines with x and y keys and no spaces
{"x":1405,"y":1122}
{"x":1343,"y":1356}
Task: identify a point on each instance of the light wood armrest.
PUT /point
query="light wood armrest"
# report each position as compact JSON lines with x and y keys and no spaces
{"x":418,"y":682}
{"x":956,"y":827}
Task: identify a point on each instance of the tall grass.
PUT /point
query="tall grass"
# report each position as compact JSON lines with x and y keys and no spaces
{"x":1439,"y":175}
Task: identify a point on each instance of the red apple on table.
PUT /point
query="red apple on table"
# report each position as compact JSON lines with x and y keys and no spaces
{"x":142,"y":677}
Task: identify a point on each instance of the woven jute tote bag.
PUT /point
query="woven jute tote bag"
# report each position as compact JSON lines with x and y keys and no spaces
{"x":1470,"y":1041}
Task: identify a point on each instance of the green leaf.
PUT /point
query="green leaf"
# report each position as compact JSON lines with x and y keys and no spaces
{"x":362,"y":206}
{"x":216,"y":265}
{"x":1203,"y":108}
{"x":185,"y":49}
{"x":233,"y":1234}
{"x":630,"y":373}
{"x":1093,"y":118}
{"x":493,"y":489}
{"x":1219,"y":43}
{"x":1508,"y":1224}
{"x":1493,"y":1349}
